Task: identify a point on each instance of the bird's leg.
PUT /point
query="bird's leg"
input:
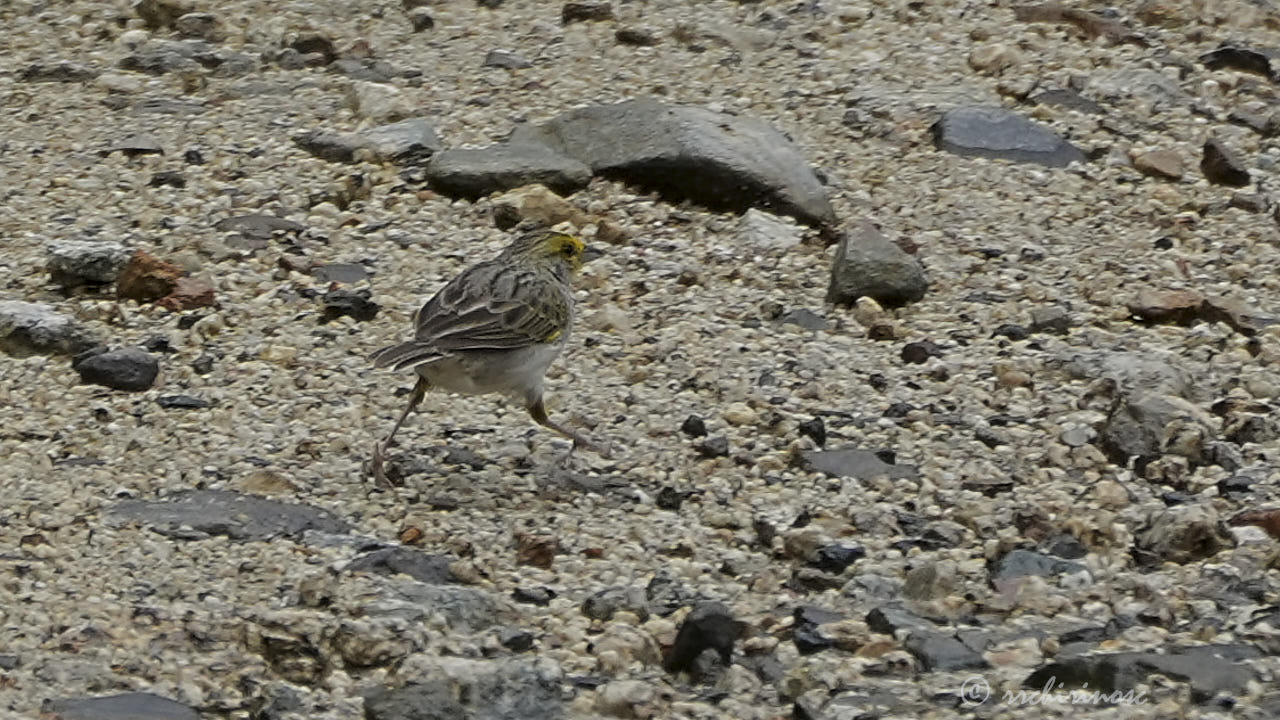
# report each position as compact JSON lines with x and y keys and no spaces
{"x":538,"y":412}
{"x":379,"y":449}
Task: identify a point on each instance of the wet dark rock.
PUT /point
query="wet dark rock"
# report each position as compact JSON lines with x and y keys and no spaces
{"x":708,"y":626}
{"x":669,"y":498}
{"x":474,"y":173}
{"x":430,"y":569}
{"x":1222,"y":166}
{"x":199,"y":514}
{"x":1011,"y":331}
{"x":315,"y":42}
{"x":1208,"y":669}
{"x":941,"y":652}
{"x":854,"y":462}
{"x":352,"y":303}
{"x":125,"y":706}
{"x":731,"y":162}
{"x":511,"y":689}
{"x":130,"y":369}
{"x":868,"y":264}
{"x":1018,"y":564}
{"x":998,"y":133}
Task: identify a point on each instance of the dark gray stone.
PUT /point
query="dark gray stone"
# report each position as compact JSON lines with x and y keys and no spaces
{"x":572,"y":12}
{"x":353,"y":303}
{"x":603,"y":604}
{"x":665,"y":594}
{"x":854,"y":462}
{"x":465,"y":609}
{"x":36,"y":329}
{"x":722,"y":161}
{"x":257,"y":226}
{"x":506,"y":59}
{"x":57,"y":71}
{"x":330,"y":146}
{"x":868,"y":264}
{"x":994,"y":132}
{"x":940,"y":652}
{"x":1050,"y":319}
{"x":85,"y":262}
{"x":1136,"y":425}
{"x":199,"y":514}
{"x":1222,"y":166}
{"x":1018,"y":564}
{"x":512,"y":689}
{"x":366,"y":69}
{"x":889,"y":619}
{"x":1208,"y":669}
{"x":345,"y":273}
{"x":474,"y":173}
{"x":430,"y":569}
{"x":709,"y":626}
{"x":805,"y":318}
{"x":407,"y":141}
{"x":1182,"y":534}
{"x":126,"y":706}
{"x":128,"y":369}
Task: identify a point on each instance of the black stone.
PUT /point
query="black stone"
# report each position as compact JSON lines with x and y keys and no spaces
{"x":172,"y":178}
{"x":128,"y":369}
{"x":815,"y":429}
{"x":540,"y":596}
{"x":573,"y":12}
{"x":837,"y":558}
{"x":181,"y":402}
{"x":940,"y":652}
{"x":916,"y":353}
{"x":709,"y":626}
{"x":515,"y":640}
{"x":693,"y":426}
{"x":1221,"y":166}
{"x":1012,"y":331}
{"x":1238,"y":58}
{"x":353,"y":303}
{"x":1209,"y":669}
{"x":715,"y":447}
{"x":670,"y":499}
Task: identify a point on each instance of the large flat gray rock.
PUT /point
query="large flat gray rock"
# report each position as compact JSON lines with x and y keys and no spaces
{"x":126,"y":706}
{"x":722,"y":161}
{"x":199,"y":514}
{"x":474,"y":173}
{"x":994,"y":132}
{"x":37,"y":329}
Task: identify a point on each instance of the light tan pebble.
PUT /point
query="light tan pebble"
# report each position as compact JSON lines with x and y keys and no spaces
{"x":626,"y":699}
{"x":740,"y":414}
{"x":114,"y":82}
{"x":868,"y":313}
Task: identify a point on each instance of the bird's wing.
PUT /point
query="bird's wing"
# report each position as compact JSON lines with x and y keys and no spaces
{"x":493,"y":306}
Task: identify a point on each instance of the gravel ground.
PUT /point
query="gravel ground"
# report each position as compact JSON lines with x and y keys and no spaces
{"x":510,"y":586}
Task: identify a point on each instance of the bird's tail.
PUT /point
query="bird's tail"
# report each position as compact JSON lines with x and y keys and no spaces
{"x":405,"y":355}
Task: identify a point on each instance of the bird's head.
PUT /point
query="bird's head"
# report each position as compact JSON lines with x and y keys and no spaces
{"x":550,"y":247}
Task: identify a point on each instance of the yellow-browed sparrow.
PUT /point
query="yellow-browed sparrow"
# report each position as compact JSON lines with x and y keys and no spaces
{"x":495,"y":328}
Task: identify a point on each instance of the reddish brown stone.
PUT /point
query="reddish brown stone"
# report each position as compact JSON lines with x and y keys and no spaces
{"x":146,"y":278}
{"x":189,"y":293}
{"x":1167,"y":306}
